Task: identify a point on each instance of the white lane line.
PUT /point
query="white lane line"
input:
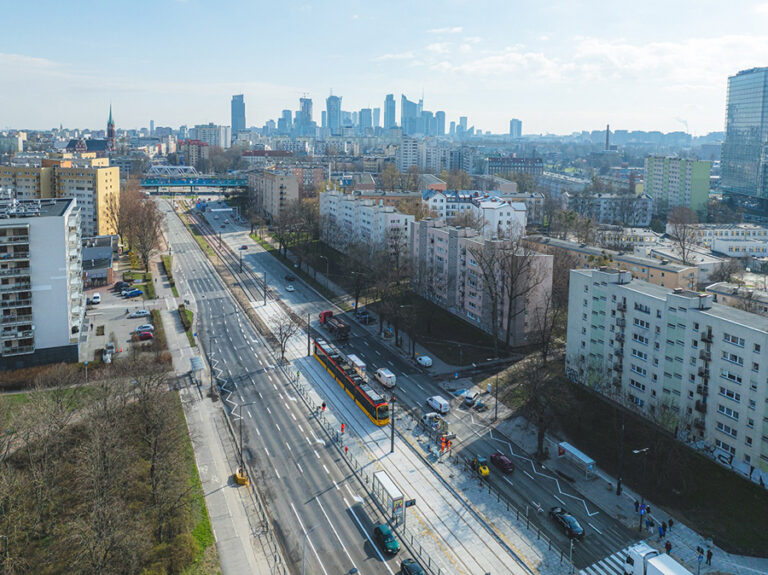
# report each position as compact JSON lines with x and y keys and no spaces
{"x":377,"y":352}
{"x":276,"y":471}
{"x":269,"y":412}
{"x":267,"y":450}
{"x":390,"y":363}
{"x":300,"y":469}
{"x":288,"y":445}
{"x":248,"y":411}
{"x":350,"y":491}
{"x":258,"y":432}
{"x":326,"y":469}
{"x":308,"y":441}
{"x":595,"y":528}
{"x":529,"y":475}
{"x":286,"y":406}
{"x":273,"y":385}
{"x":278,"y":426}
{"x":294,"y":417}
{"x":302,"y":430}
{"x":259,"y":361}
{"x":364,"y":530}
{"x":312,"y":545}
{"x":270,"y":378}
{"x":280,"y":394}
{"x":560,"y":500}
{"x":420,"y":387}
{"x":336,"y":485}
{"x":508,"y":481}
{"x":337,"y":535}
{"x":261,"y":396}
{"x":316,"y":453}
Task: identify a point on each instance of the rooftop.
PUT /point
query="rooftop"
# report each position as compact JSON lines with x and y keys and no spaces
{"x":11,"y":208}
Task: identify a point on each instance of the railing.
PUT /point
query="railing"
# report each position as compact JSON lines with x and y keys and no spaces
{"x":705,"y":355}
{"x":701,"y":407}
{"x":19,"y":350}
{"x":706,"y":337}
{"x":6,"y":319}
{"x":703,"y":372}
{"x":621,"y":306}
{"x":702,"y":390}
{"x":18,"y":286}
{"x":621,"y":322}
{"x":16,"y":303}
{"x":13,"y":239}
{"x":17,"y":334}
{"x":15,"y":272}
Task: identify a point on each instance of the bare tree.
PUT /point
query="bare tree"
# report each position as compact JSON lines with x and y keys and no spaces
{"x":389,"y":177}
{"x":283,"y":328}
{"x":121,"y":210}
{"x":682,"y":229}
{"x":467,"y":219}
{"x":487,"y":257}
{"x":148,"y":222}
{"x":726,"y":270}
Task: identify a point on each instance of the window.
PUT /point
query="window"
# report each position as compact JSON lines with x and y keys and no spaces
{"x":735,"y":340}
{"x":755,"y":366}
{"x":636,"y":385}
{"x":757,"y":348}
{"x":639,"y":354}
{"x":727,"y":411}
{"x":733,"y":358}
{"x":734,"y":377}
{"x":752,"y":404}
{"x":748,"y":441}
{"x":750,"y":423}
{"x":640,"y":338}
{"x":642,"y":323}
{"x":727,"y":429}
{"x":725,"y":447}
{"x":730,"y":394}
{"x":637,"y":369}
{"x":636,"y":400}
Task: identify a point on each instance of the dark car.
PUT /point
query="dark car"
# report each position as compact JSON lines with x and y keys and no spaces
{"x":384,"y":537}
{"x":568,"y":522}
{"x":502,"y":462}
{"x":290,"y":278}
{"x":363,"y":316}
{"x":133,"y":293}
{"x":410,"y":567}
{"x":119,"y":286}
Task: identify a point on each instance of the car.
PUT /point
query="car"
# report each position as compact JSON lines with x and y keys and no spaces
{"x":364,"y":316}
{"x":424,"y":361}
{"x":106,"y":357}
{"x":470,"y":397}
{"x":383,"y":535}
{"x":502,"y":462}
{"x":139,"y":313}
{"x":290,"y":278}
{"x":133,"y":293}
{"x":144,"y":335}
{"x":223,"y":226}
{"x":568,"y":522}
{"x":410,"y":567}
{"x":289,"y":287}
{"x":226,"y":221}
{"x":438,"y":404}
{"x":243,"y":247}
{"x":480,"y":464}
{"x":96,"y":299}
{"x":215,"y":217}
{"x":146,"y":327}
{"x":121,"y":286}
{"x":111,"y":348}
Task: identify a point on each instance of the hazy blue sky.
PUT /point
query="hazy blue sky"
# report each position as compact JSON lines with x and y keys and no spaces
{"x":560,"y":66}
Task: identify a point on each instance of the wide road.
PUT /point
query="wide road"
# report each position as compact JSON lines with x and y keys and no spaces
{"x":530,"y":485}
{"x":308,"y":491}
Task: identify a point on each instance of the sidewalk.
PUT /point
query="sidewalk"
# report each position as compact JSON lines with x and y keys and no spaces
{"x":231,"y":508}
{"x":602,"y":491}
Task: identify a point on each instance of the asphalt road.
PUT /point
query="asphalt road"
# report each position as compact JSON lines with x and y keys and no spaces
{"x":307,"y":489}
{"x":529,"y":485}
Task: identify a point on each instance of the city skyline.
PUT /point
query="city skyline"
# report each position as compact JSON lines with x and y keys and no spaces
{"x":491,"y":62}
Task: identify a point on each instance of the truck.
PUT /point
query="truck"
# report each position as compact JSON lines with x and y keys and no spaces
{"x":336,"y":326}
{"x":642,"y":559}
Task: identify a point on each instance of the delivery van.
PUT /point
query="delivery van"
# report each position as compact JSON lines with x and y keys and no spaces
{"x":385,"y":377}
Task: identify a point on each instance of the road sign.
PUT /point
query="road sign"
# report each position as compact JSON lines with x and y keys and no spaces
{"x":410,"y":503}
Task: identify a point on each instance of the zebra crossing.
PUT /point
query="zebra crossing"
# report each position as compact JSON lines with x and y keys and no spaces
{"x":611,"y":565}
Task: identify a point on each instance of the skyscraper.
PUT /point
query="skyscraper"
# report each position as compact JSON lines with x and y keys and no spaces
{"x":305,"y":105}
{"x":238,"y":114}
{"x":304,"y":126}
{"x":440,"y":117}
{"x":111,"y":139}
{"x":409,"y":115}
{"x":365,"y":120}
{"x":389,"y":112}
{"x":333,"y":108}
{"x":744,"y":158}
{"x":376,"y":117}
{"x":515,"y":128}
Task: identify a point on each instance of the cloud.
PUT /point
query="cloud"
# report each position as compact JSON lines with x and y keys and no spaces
{"x":465,"y":48}
{"x":355,"y":16}
{"x":394,"y":56}
{"x":761,"y":8}
{"x":439,"y":47}
{"x":448,"y":30}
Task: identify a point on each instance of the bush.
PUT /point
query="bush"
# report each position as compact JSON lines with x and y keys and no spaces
{"x":159,"y":341}
{"x":186,"y":317}
{"x":182,"y":552}
{"x":149,"y":288}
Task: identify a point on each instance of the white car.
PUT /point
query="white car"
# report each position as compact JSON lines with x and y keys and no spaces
{"x":289,"y":287}
{"x":424,"y":361}
{"x":139,"y":313}
{"x":145,"y":327}
{"x":438,"y":404}
{"x":96,"y":299}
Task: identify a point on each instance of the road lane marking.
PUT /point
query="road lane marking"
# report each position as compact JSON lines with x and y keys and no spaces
{"x":261,"y":396}
{"x":377,"y":352}
{"x":595,"y":528}
{"x":336,"y":485}
{"x":278,"y":427}
{"x":288,"y":445}
{"x":258,"y":432}
{"x":302,"y":430}
{"x":312,"y":545}
{"x":300,"y":469}
{"x":420,"y":387}
{"x":350,"y":491}
{"x":268,"y":411}
{"x":316,"y":453}
{"x":286,"y":406}
{"x":560,"y":500}
{"x":364,"y":530}
{"x":294,"y":417}
{"x":337,"y":535}
{"x":276,"y":471}
{"x":308,"y":441}
{"x":326,"y":469}
{"x":267,"y":451}
{"x":531,"y":477}
{"x":248,"y":411}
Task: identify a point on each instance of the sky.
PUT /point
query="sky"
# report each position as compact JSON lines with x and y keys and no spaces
{"x":559,"y":66}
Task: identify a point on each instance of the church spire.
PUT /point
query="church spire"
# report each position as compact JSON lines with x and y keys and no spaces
{"x":110,"y":122}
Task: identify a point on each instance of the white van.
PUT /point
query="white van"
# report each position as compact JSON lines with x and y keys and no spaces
{"x":385,"y":377}
{"x":439,"y":404}
{"x":96,"y":299}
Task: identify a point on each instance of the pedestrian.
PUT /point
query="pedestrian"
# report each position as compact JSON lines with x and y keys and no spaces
{"x":668,"y":547}
{"x":637,"y":506}
{"x":709,"y":556}
{"x":642,"y":508}
{"x":664,"y":528}
{"x":661,"y":533}
{"x":648,"y":522}
{"x":671,"y":522}
{"x":648,"y":509}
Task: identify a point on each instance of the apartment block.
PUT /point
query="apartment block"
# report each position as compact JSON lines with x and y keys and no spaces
{"x":512,"y":164}
{"x":41,"y":283}
{"x":273,"y":190}
{"x":663,"y":273}
{"x":492,"y":214}
{"x":446,"y":272}
{"x":88,"y":179}
{"x":695,"y":367}
{"x":677,"y":182}
{"x":733,"y":240}
{"x":623,"y":209}
{"x":347,"y":219}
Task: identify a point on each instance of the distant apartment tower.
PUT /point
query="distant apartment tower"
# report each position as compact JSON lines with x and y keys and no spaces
{"x":214,"y":135}
{"x":407,"y":154}
{"x":744,"y":156}
{"x":365,"y":121}
{"x":238,"y":114}
{"x":515,"y":128}
{"x":376,"y":117}
{"x":389,"y":112}
{"x":500,"y":165}
{"x":410,"y":116}
{"x":692,"y":366}
{"x":41,"y":285}
{"x":333,"y":114}
{"x":677,"y":182}
{"x":272,"y":191}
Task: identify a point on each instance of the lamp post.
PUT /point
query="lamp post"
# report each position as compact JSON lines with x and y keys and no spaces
{"x":392,"y":421}
{"x":327,"y":271}
{"x":304,"y":549}
{"x":496,"y":399}
{"x":621,"y":456}
{"x":240,"y":254}
{"x":644,"y":452}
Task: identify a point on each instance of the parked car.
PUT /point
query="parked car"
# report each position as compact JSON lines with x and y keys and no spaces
{"x":290,"y":278}
{"x":424,"y":361}
{"x":502,"y":462}
{"x":226,"y":221}
{"x":438,"y":404}
{"x":96,"y":299}
{"x":290,"y":287}
{"x":364,"y":316}
{"x":146,"y":327}
{"x":410,"y":567}
{"x":133,"y":293}
{"x":144,"y":335}
{"x":384,"y":537}
{"x":470,"y":397}
{"x":139,"y":313}
{"x":243,"y":247}
{"x":568,"y":522}
{"x":119,"y":286}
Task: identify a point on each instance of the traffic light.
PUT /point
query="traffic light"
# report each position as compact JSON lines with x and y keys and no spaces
{"x":342,"y":428}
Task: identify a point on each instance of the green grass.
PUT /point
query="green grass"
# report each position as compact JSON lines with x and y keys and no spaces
{"x":159,"y":339}
{"x":187,"y":320}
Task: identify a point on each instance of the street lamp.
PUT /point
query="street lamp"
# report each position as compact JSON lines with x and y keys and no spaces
{"x":392,"y":421}
{"x":304,"y":548}
{"x":644,"y":452}
{"x":327,"y":271}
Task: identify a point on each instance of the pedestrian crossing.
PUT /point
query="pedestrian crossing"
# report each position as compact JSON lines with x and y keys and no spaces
{"x":611,"y":565}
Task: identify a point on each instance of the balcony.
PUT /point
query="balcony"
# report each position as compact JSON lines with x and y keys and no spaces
{"x":701,"y":406}
{"x":14,"y":256}
{"x":21,"y":334}
{"x":702,"y":390}
{"x":19,"y":350}
{"x":18,"y":286}
{"x":616,"y":381}
{"x":15,"y":272}
{"x":619,"y":353}
{"x":621,"y":322}
{"x":618,"y":367}
{"x":620,"y":337}
{"x":706,"y":337}
{"x":698,"y":423}
{"x":13,"y":240}
{"x":704,"y":372}
{"x":621,"y":306}
{"x":705,"y":355}
{"x":16,"y":303}
{"x":12,"y":319}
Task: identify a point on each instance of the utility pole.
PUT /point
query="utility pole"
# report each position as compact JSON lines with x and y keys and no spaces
{"x":309,"y":337}
{"x":392,"y":421}
{"x":265,"y":287}
{"x":621,"y":455}
{"x":496,"y":402}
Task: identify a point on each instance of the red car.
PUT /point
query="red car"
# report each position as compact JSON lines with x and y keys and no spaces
{"x":146,"y":335}
{"x":502,"y":462}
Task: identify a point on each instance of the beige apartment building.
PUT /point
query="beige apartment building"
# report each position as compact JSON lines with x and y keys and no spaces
{"x":273,"y":190}
{"x":90,"y":180}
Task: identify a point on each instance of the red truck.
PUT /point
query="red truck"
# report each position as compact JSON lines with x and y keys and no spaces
{"x":338,"y":328}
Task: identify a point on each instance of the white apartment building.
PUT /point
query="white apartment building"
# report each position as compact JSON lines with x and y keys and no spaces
{"x":624,"y":209}
{"x":41,"y":281}
{"x":698,"y":368}
{"x":446,"y":272}
{"x":735,"y":240}
{"x":407,"y":154}
{"x":213,"y":135}
{"x":347,"y":219}
{"x":494,"y":216}
{"x":273,"y":190}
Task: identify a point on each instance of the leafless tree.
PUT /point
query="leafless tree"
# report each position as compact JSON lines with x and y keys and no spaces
{"x":467,"y":219}
{"x":121,"y":210}
{"x":682,"y":227}
{"x":548,"y":320}
{"x":283,"y":328}
{"x":389,"y":177}
{"x":148,"y":221}
{"x":488,"y":257}
{"x":726,"y":270}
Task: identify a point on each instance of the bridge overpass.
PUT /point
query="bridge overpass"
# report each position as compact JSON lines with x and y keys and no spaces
{"x":193,"y":182}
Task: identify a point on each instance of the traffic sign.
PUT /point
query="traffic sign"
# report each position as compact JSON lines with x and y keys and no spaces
{"x":410,"y":503}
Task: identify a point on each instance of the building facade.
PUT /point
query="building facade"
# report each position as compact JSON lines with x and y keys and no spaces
{"x":446,"y":271}
{"x":215,"y":136}
{"x":744,"y":156}
{"x":496,"y":165}
{"x":623,"y":209}
{"x":693,"y":366}
{"x":238,"y":114}
{"x":677,"y":182}
{"x":515,"y":129}
{"x":41,"y":281}
{"x":272,"y":191}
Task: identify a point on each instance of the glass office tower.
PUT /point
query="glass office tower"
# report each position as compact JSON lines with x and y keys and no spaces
{"x":744,"y":158}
